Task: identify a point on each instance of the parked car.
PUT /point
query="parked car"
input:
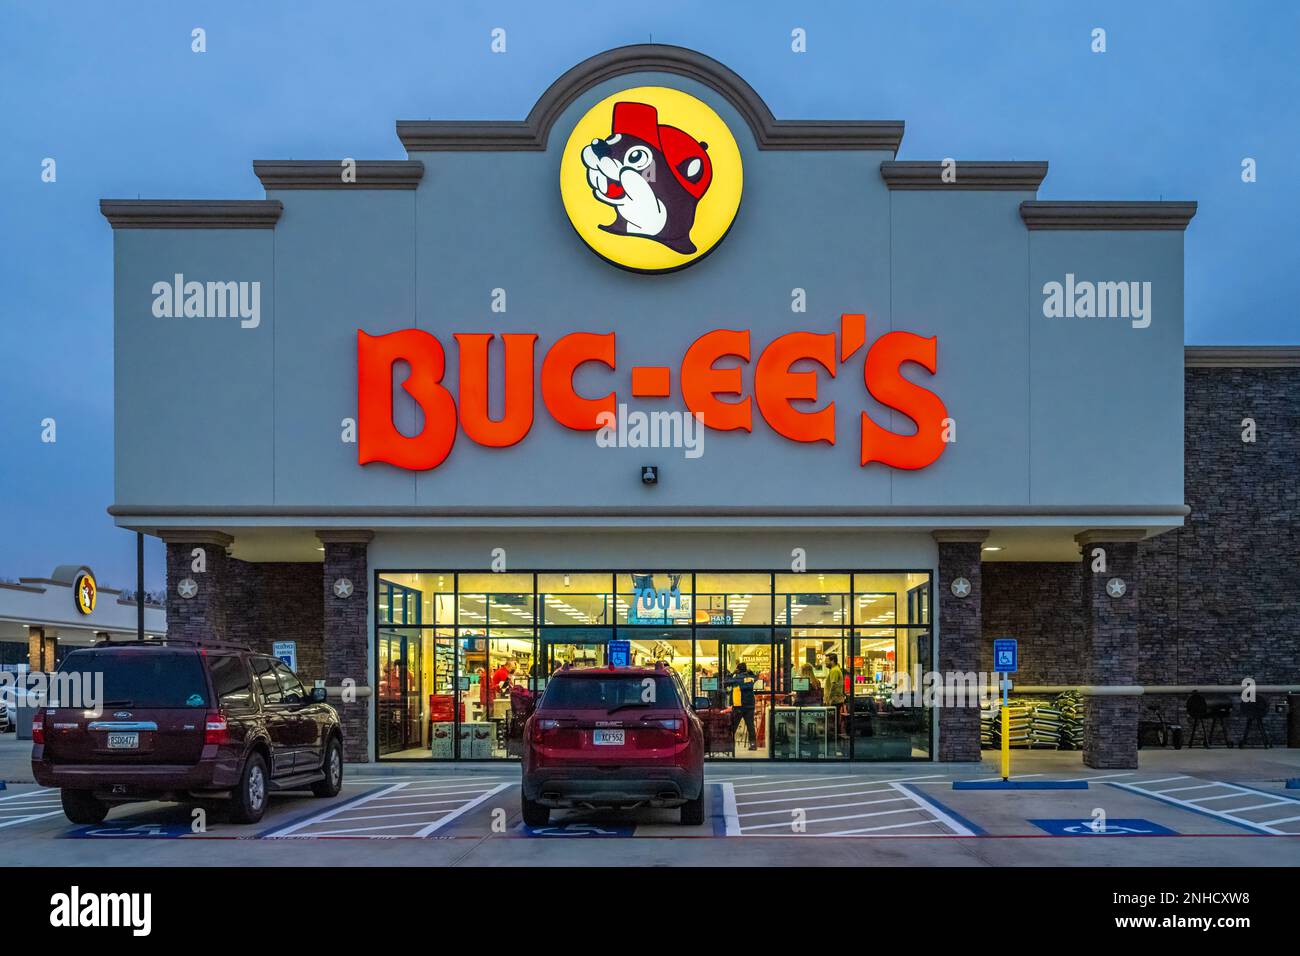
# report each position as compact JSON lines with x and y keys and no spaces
{"x":186,"y":721}
{"x":618,"y":737}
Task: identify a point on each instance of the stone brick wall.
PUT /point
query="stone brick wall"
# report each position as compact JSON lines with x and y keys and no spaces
{"x":1039,"y":605}
{"x":347,"y":639}
{"x":1219,"y":597}
{"x":273,"y":602}
{"x":203,"y":616}
{"x":959,"y":645}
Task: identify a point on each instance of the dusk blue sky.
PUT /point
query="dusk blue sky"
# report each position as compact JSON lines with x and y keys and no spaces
{"x":113,"y":93}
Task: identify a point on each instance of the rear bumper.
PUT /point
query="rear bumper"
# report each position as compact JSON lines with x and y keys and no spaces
{"x":560,"y":787}
{"x":134,"y":781}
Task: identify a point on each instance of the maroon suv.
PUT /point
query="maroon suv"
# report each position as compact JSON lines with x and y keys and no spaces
{"x":183,"y":721}
{"x":613,"y":737}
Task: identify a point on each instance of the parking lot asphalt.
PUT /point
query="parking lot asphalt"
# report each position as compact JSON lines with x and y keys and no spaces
{"x":1197,"y":811}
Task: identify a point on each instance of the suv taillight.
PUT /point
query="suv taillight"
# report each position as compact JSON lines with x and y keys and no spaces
{"x":540,"y":726}
{"x":214,"y":728}
{"x":38,"y":726}
{"x":675,"y":724}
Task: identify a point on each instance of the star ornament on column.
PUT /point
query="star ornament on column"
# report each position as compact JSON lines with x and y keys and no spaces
{"x":961,"y":588}
{"x":343,"y":588}
{"x":1116,"y":587}
{"x":187,"y":588}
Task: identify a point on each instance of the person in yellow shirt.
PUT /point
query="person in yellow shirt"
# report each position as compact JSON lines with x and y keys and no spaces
{"x":833,"y":690}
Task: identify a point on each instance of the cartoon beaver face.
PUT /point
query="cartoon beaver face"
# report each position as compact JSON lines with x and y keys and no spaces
{"x":654,"y":176}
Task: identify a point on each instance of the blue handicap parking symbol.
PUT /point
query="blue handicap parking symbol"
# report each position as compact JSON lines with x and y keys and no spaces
{"x":1113,"y":828}
{"x":1006,"y":655}
{"x":582,"y":830}
{"x":141,"y":831}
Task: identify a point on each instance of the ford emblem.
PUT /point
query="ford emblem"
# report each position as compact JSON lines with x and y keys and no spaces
{"x":122,"y":713}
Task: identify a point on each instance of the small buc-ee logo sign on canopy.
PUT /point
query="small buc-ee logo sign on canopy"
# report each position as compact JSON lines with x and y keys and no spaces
{"x":651,"y":179}
{"x":84,"y":592}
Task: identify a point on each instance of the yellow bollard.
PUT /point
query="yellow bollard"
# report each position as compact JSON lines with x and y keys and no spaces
{"x":1006,"y":742}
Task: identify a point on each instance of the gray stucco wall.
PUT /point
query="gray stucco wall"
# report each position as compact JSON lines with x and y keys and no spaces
{"x":1054,"y":412}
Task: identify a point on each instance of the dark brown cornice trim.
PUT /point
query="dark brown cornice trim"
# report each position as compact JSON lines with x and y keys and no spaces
{"x":186,"y":536}
{"x":928,"y":174}
{"x":532,"y":133}
{"x":191,"y":213}
{"x":597,"y":511}
{"x":1242,"y":356}
{"x":345,"y":535}
{"x":328,"y":174}
{"x":1042,"y":214}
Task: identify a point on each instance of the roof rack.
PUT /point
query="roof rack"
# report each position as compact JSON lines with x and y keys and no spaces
{"x":182,"y":641}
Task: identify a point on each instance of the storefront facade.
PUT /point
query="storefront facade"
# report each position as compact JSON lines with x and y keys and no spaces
{"x":43,"y":618}
{"x":650,"y":365}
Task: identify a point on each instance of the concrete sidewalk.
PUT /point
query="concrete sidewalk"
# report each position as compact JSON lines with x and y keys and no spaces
{"x":1244,"y":766}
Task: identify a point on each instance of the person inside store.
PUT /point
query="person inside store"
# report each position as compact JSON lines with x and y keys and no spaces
{"x":503,"y":677}
{"x":812,"y":696}
{"x":741,"y":684}
{"x":833,"y":692}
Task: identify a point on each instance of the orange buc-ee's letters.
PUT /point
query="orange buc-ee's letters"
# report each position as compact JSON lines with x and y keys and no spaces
{"x":377,"y":437}
{"x":884,"y":380}
{"x":517,"y":417}
{"x":562,"y":360}
{"x":775,"y":386}
{"x":702,"y":382}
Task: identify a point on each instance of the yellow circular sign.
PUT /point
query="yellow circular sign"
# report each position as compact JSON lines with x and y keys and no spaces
{"x":84,"y":592}
{"x":651,"y":179}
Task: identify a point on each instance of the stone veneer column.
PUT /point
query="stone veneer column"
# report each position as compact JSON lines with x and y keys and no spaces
{"x":1110,"y":646}
{"x":347,"y":640}
{"x":201,"y":617}
{"x":960,"y":633}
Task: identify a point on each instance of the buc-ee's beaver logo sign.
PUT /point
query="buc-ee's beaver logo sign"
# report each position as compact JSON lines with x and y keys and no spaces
{"x":85,"y":592}
{"x":651,"y":179}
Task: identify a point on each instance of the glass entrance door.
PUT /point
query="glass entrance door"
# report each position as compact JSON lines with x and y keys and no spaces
{"x":400,"y":709}
{"x":810,"y":709}
{"x":746,"y":672}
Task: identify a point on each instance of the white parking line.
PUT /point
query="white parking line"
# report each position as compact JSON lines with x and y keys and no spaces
{"x":31,"y":805}
{"x":892,"y":826}
{"x":827,"y":796}
{"x":439,"y":824}
{"x":419,"y":817}
{"x":1231,"y":815}
{"x":729,"y":815}
{"x":957,"y":828}
{"x":855,"y":816}
{"x":833,"y":806}
{"x":1099,"y":776}
{"x":1269,"y":823}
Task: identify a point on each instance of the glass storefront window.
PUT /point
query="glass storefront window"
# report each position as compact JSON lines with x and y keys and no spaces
{"x":575,"y":599}
{"x":813,"y":599}
{"x":901,"y":597}
{"x":661,"y":599}
{"x":791,"y":666}
{"x":733,"y":599}
{"x":883,"y":731}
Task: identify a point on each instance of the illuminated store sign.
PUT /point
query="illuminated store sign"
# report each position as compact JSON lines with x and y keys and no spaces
{"x":702,"y":384}
{"x":651,"y":179}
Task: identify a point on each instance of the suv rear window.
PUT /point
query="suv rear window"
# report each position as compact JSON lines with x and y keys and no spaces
{"x":143,"y":678}
{"x":605,"y":693}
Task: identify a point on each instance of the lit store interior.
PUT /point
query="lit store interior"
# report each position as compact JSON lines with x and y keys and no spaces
{"x":778,"y":666}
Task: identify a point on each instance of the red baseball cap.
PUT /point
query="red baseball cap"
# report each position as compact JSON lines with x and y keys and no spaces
{"x":679,"y":148}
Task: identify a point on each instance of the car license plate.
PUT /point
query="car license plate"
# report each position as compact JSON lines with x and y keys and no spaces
{"x":123,"y":741}
{"x":608,"y":738}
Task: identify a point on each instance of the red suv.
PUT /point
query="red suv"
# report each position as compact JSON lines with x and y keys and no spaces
{"x":613,"y":737}
{"x":179,"y":720}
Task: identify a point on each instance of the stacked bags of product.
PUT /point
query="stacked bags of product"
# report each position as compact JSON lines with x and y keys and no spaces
{"x":1045,"y":724}
{"x":1071,"y":707}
